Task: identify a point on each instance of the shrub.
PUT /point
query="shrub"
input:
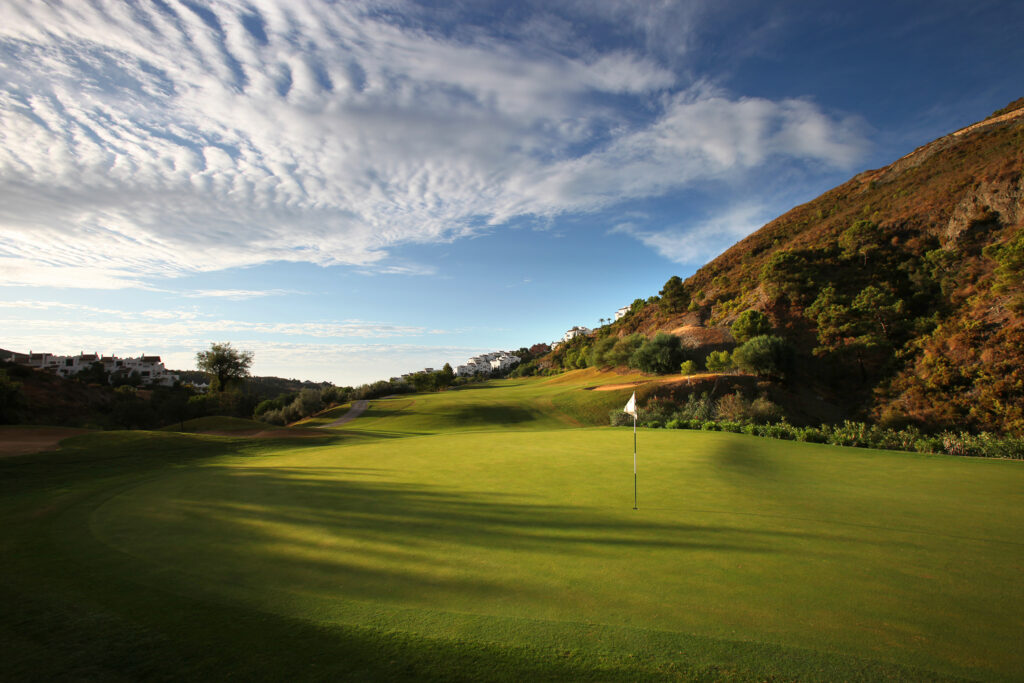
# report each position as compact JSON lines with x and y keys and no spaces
{"x":273,"y":416}
{"x":750,"y":324}
{"x":701,"y":408}
{"x":688,"y":367}
{"x":12,"y":399}
{"x":308,"y":402}
{"x":656,"y":410}
{"x":719,"y":361}
{"x":733,"y":407}
{"x":811,"y":435}
{"x":765,"y":356}
{"x":661,"y":355}
{"x":763,"y":410}
{"x":617,"y":418}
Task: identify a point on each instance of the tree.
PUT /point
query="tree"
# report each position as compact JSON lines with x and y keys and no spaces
{"x":539,"y":349}
{"x":224,"y":363}
{"x":719,"y":361}
{"x":445,"y":376}
{"x":880,"y":305}
{"x":789,"y":274}
{"x":674,"y":296}
{"x":600,"y":350}
{"x":750,"y":324}
{"x":624,"y":349}
{"x":863,"y":239}
{"x":866,"y":328}
{"x":95,"y":373}
{"x":766,"y":356}
{"x":662,"y":354}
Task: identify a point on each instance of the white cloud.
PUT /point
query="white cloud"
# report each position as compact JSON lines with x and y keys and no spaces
{"x":341,"y":363}
{"x":698,"y":243}
{"x":141,"y":144}
{"x":155,"y":326}
{"x":235,"y":294}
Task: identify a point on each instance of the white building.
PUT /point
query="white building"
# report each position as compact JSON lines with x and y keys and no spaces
{"x":621,"y":313}
{"x":150,"y":369}
{"x":576,"y":331}
{"x":487,"y":363}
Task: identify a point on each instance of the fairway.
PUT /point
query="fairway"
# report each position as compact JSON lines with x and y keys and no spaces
{"x":478,"y":534}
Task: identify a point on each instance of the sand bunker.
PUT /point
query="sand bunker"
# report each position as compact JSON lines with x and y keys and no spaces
{"x":25,"y":440}
{"x":613,"y":387}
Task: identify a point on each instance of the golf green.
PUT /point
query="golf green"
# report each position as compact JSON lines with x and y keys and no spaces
{"x":747,"y":558}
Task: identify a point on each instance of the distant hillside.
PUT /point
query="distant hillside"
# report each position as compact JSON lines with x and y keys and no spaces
{"x":264,"y":387}
{"x":902,"y":289}
{"x":45,"y":398}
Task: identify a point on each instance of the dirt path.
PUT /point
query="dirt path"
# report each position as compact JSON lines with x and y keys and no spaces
{"x":355,"y":411}
{"x":25,"y":440}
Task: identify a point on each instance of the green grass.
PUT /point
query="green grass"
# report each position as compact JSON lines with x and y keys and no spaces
{"x":325,"y":417}
{"x":473,"y":535}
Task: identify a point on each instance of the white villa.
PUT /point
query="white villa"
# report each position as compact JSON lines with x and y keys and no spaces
{"x":150,"y":369}
{"x":488,"y":362}
{"x":576,"y":331}
{"x":621,"y":313}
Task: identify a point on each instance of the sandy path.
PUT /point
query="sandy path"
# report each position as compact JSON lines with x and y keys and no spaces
{"x":672,"y":379}
{"x":355,"y":411}
{"x":25,"y":440}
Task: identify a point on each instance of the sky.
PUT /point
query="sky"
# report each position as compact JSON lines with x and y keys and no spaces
{"x":354,"y":190}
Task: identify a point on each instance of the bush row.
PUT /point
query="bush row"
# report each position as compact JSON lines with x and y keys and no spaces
{"x":861,"y":435}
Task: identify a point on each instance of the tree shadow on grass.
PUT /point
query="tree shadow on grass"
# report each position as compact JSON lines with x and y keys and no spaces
{"x":489,"y":415}
{"x":325,"y":533}
{"x":745,"y":459}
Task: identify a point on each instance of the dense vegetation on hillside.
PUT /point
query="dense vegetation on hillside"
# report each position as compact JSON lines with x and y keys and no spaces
{"x":901,"y":291}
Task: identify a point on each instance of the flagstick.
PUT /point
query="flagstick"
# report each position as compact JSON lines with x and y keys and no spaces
{"x":634,"y":462}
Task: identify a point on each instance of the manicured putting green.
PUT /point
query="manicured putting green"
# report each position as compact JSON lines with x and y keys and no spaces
{"x":471,"y":535}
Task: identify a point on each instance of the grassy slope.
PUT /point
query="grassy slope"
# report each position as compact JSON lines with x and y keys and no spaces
{"x":470,"y":535}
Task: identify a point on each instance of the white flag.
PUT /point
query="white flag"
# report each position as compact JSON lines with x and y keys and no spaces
{"x":631,"y":406}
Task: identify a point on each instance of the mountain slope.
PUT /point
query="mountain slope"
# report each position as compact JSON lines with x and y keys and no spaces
{"x":900,"y":289}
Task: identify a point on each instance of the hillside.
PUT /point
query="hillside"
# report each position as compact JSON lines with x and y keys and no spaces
{"x":901,"y":290}
{"x":32,"y":396}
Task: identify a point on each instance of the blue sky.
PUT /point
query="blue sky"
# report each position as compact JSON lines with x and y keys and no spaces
{"x":353,"y":190}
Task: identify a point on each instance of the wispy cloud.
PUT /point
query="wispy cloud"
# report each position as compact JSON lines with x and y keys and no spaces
{"x":184,"y":324}
{"x":147,"y":141}
{"x":699,"y":242}
{"x":235,"y":294}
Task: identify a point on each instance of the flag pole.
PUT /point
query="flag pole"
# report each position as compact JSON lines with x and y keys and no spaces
{"x":630,"y":409}
{"x":634,"y":462}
